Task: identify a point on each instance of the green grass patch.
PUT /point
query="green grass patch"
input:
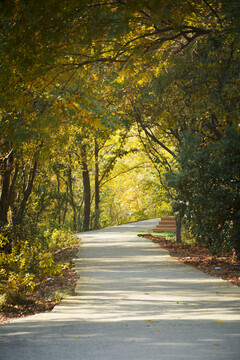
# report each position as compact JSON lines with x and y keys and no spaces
{"x":164,"y":234}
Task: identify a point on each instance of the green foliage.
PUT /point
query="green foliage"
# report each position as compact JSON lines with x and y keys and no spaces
{"x":133,"y":191}
{"x":174,"y":68}
{"x":30,"y":263}
{"x":164,"y":234}
{"x":59,"y":239}
{"x":207,"y":185}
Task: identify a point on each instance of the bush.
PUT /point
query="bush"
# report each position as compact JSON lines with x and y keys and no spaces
{"x":28,"y":264}
{"x":207,"y":186}
{"x":60,"y":238}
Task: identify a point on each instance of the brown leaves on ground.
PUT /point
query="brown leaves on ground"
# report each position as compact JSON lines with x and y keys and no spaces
{"x":225,"y":267}
{"x":44,"y":296}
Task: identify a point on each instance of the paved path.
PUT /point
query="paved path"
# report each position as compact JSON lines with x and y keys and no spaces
{"x":133,"y":302}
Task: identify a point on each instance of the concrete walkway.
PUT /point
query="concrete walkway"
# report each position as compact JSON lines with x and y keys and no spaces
{"x":132,"y":302}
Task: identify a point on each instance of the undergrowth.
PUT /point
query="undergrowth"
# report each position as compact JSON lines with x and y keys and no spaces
{"x":29,"y":263}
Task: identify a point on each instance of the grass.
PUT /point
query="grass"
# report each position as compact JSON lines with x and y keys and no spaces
{"x":163,"y":234}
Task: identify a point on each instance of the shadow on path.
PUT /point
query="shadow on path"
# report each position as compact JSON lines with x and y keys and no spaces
{"x":133,"y":301}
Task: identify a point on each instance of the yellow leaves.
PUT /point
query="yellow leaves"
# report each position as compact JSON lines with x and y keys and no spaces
{"x":120,"y":79}
{"x":140,"y":82}
{"x":82,"y":112}
{"x":75,"y":104}
{"x":3,"y":272}
{"x":145,"y":77}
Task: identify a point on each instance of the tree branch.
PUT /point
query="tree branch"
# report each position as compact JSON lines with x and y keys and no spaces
{"x":152,"y":136}
{"x":214,"y":12}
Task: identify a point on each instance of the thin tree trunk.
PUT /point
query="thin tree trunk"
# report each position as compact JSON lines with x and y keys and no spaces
{"x":72,"y":198}
{"x":236,"y":230}
{"x":97,"y":194}
{"x":178,"y":230}
{"x":8,"y":179}
{"x":27,"y":192}
{"x":65,"y":208}
{"x":59,"y":200}
{"x":86,"y":189}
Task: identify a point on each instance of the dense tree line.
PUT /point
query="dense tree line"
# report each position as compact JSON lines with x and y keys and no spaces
{"x":88,"y":85}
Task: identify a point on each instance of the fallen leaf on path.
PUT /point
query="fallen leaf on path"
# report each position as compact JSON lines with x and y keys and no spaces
{"x":152,"y":321}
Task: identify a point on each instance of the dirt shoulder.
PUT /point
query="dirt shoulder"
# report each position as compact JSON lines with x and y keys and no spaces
{"x":224,"y":267}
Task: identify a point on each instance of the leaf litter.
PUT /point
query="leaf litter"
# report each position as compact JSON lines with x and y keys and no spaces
{"x":225,"y":267}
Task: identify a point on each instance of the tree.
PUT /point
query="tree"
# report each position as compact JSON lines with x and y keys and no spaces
{"x":63,"y":70}
{"x":207,"y":186}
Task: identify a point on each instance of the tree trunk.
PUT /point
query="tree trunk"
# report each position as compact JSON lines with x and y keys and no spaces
{"x":18,"y":219}
{"x":72,"y":202}
{"x":236,"y":231}
{"x":97,"y":195}
{"x":86,"y":189}
{"x":59,"y":200}
{"x":178,"y":230}
{"x":9,"y":171}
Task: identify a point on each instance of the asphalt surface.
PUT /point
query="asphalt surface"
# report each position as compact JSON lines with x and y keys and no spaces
{"x":134,"y":302}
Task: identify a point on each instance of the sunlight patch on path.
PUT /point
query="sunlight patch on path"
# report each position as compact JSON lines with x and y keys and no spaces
{"x":133,"y":301}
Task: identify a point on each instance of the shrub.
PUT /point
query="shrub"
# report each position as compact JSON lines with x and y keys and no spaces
{"x":60,"y":238}
{"x":207,"y":186}
{"x":29,"y":263}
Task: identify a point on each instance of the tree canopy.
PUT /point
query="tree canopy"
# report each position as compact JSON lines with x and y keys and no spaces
{"x":113,"y":111}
